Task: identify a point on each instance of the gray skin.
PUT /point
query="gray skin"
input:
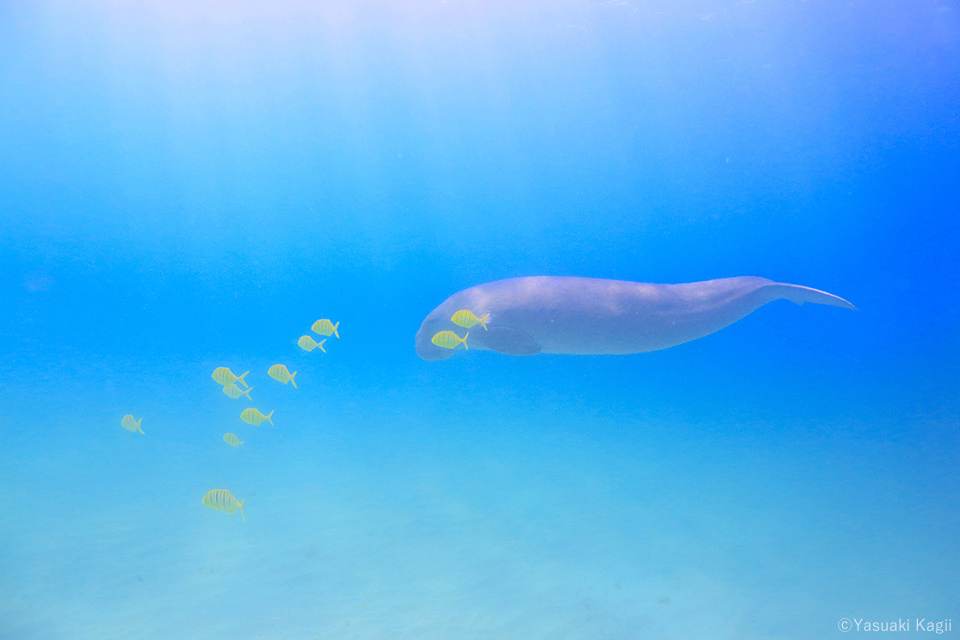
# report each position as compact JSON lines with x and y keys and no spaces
{"x":588,"y":316}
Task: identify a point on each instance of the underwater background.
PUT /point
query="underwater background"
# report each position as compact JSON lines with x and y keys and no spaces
{"x":189,"y":185}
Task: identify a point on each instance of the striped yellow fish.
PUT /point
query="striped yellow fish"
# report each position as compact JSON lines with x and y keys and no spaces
{"x":128,"y":423}
{"x":466,"y":319}
{"x":449,"y":340}
{"x":223,"y":500}
{"x":280,"y":373}
{"x":232,"y":439}
{"x":325,"y":328}
{"x":309,"y":344}
{"x":235,"y":392}
{"x":224,"y":376}
{"x":254,"y":417}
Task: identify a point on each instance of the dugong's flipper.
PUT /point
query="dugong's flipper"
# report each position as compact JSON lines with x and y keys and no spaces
{"x":510,"y":341}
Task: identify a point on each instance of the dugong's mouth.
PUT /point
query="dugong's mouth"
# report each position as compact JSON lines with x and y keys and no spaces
{"x":426,"y":349}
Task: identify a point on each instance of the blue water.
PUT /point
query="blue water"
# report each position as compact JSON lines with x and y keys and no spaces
{"x":187,"y":185}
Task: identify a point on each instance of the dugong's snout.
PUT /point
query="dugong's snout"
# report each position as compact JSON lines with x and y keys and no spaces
{"x":425,"y":348}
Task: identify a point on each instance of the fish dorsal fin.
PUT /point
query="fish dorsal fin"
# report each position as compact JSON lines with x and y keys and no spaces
{"x":510,"y":341}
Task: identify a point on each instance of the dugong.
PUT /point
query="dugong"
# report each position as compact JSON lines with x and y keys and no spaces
{"x":589,"y":316}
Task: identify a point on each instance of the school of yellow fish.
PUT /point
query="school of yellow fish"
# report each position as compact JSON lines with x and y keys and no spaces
{"x":235,"y":387}
{"x":222,"y":499}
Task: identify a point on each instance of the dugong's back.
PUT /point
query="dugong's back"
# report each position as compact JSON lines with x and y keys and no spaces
{"x":569,"y":315}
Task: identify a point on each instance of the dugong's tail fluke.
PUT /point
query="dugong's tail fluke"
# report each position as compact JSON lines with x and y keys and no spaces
{"x":799,"y":294}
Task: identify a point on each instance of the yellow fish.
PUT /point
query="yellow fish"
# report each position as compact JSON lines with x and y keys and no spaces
{"x":449,"y":340}
{"x":224,"y":376}
{"x":232,"y":439}
{"x":223,"y":500}
{"x":254,"y":417}
{"x":325,"y":328}
{"x":235,"y":392}
{"x":128,"y":423}
{"x":309,"y":344}
{"x":466,"y":319}
{"x":280,"y":373}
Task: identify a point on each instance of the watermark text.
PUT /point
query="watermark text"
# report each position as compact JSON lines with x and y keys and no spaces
{"x":900,"y":625}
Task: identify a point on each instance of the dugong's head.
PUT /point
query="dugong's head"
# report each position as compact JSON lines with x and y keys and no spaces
{"x":437,"y":321}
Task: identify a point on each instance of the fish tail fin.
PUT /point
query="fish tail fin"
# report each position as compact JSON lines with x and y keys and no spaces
{"x":320,"y":344}
{"x":268,"y":418}
{"x":247,"y":393}
{"x":335,"y":329}
{"x":241,"y":510}
{"x":464,"y":340}
{"x":483,"y":321}
{"x":799,"y":294}
{"x":241,"y":379}
{"x":139,"y":428}
{"x":292,"y":381}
